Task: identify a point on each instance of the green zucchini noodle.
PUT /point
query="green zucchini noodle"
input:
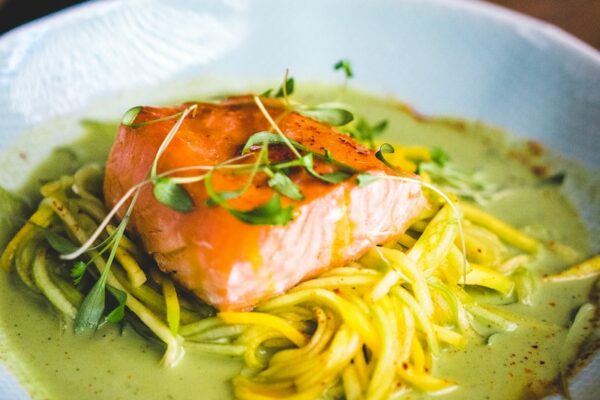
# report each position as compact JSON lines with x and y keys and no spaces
{"x":371,"y":329}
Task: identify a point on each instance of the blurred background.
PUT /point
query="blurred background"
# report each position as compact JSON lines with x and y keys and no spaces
{"x":579,"y":17}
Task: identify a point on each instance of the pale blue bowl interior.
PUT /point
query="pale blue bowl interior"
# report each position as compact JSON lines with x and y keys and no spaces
{"x":444,"y":57}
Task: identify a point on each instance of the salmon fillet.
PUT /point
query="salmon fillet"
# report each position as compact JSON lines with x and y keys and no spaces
{"x":229,"y":263}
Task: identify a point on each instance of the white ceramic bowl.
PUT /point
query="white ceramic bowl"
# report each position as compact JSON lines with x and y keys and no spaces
{"x":462,"y":58}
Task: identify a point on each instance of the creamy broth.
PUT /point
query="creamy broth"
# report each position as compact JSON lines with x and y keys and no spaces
{"x":116,"y":363}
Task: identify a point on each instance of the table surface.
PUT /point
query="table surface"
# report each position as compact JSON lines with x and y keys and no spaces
{"x":579,"y":17}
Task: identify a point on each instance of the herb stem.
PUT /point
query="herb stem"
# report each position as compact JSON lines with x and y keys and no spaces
{"x":323,"y":157}
{"x":284,"y":88}
{"x":168,"y":138}
{"x":153,"y":121}
{"x":264,"y":150}
{"x":223,"y":165}
{"x":90,"y":241}
{"x":92,"y":307}
{"x":264,"y":111}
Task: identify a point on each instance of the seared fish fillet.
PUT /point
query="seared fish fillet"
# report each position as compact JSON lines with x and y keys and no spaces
{"x":229,"y":263}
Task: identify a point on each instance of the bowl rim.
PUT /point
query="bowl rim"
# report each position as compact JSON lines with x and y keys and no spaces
{"x":483,"y":8}
{"x":518,"y":19}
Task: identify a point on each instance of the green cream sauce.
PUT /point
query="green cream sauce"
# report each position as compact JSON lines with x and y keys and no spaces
{"x":113,"y":364}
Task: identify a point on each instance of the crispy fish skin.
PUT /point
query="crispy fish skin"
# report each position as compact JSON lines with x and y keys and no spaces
{"x":231,"y":264}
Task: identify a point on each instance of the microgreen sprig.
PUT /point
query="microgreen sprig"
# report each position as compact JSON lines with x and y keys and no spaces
{"x":365,"y":132}
{"x":118,"y":313}
{"x":365,"y":179}
{"x":286,"y":89}
{"x":305,"y":161}
{"x":333,"y":114}
{"x":80,"y":267}
{"x":165,"y":189}
{"x":92,"y":308}
{"x":285,"y":186}
{"x":329,"y":113}
{"x":92,"y":239}
{"x":77,"y":271}
{"x":284,"y":139}
{"x":168,"y":192}
{"x":464,"y":183}
{"x":261,"y":163}
{"x":130,"y":115}
{"x":385,"y":148}
{"x":274,"y":138}
{"x":345,"y":66}
{"x":165,"y":143}
{"x":272,"y":212}
{"x":439,"y":156}
{"x":269,"y":213}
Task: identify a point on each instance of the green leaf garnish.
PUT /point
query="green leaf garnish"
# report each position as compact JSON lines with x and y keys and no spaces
{"x":118,"y":313}
{"x":154,"y":121}
{"x":172,"y":195}
{"x":335,"y":177}
{"x":272,"y":213}
{"x":345,"y":66}
{"x":273,"y":138}
{"x":77,"y":271}
{"x":332,"y":177}
{"x":330,"y":115}
{"x":365,"y":132}
{"x":130,"y":116}
{"x":58,"y":242}
{"x":298,"y":162}
{"x":306,"y":161}
{"x":224,"y":195}
{"x":260,"y":138}
{"x":92,"y":307}
{"x":266,"y":137}
{"x":262,"y":160}
{"x":269,"y":213}
{"x":465,"y":183}
{"x":379,"y":127}
{"x":439,"y":156}
{"x":284,"y":185}
{"x":289,"y":88}
{"x":385,"y":148}
{"x":365,"y":179}
{"x":266,"y":93}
